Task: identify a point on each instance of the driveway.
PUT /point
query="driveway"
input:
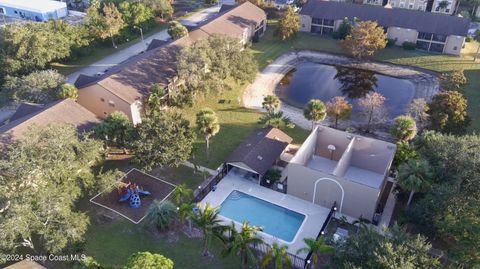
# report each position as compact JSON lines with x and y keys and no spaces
{"x":124,"y":54}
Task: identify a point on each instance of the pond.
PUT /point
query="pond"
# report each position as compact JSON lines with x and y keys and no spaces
{"x":319,"y":81}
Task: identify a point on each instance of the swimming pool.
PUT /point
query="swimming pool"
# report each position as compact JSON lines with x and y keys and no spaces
{"x":275,"y":220}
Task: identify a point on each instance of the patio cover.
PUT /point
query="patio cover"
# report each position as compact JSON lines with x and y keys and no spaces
{"x":260,"y":150}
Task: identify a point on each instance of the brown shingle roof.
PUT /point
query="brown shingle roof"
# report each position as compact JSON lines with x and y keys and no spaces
{"x":261,"y":149}
{"x":63,"y":111}
{"x":133,"y":79}
{"x":388,"y":17}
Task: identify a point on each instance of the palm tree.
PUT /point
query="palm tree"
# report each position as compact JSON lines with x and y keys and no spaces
{"x":414,"y":176}
{"x":207,"y":124}
{"x":317,"y":248}
{"x":279,"y":255}
{"x":182,"y":194}
{"x":276,"y":120}
{"x":315,"y":111}
{"x":239,"y":243}
{"x":271,"y":103}
{"x":207,"y":220}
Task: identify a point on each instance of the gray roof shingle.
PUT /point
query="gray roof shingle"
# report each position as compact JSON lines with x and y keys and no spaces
{"x":261,"y":149}
{"x":388,"y":17}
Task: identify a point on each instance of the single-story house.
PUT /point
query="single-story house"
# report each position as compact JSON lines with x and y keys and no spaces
{"x":38,"y":10}
{"x":126,"y":86}
{"x":29,"y":115}
{"x":429,"y":31}
{"x":333,"y":166}
{"x":258,"y":153}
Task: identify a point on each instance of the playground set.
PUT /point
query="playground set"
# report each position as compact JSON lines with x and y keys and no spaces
{"x":131,"y":192}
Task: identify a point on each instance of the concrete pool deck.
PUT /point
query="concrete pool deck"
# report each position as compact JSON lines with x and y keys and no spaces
{"x":315,"y":214}
{"x":426,"y":85}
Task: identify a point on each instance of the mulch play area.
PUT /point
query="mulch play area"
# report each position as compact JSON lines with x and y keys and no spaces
{"x":154,"y":188}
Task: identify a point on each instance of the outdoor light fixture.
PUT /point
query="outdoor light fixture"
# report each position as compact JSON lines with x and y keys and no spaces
{"x":331,"y":148}
{"x":335,"y":208}
{"x":322,"y":232}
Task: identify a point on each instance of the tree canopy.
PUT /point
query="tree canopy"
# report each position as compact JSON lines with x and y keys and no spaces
{"x":163,"y":139}
{"x":147,"y":260}
{"x":206,"y":65}
{"x":448,"y":112}
{"x":31,"y":46}
{"x":338,"y":108}
{"x":365,"y":38}
{"x":42,"y":176}
{"x":404,"y":128}
{"x":105,"y":24}
{"x":370,"y":249}
{"x":289,"y":24}
{"x":176,"y":30}
{"x":37,"y":87}
{"x":116,"y":130}
{"x":135,"y":14}
{"x":315,"y":111}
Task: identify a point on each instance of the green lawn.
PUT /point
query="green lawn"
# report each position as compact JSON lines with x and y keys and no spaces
{"x":236,"y":123}
{"x":112,"y":243}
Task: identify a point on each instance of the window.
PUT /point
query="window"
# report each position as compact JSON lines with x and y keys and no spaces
{"x":422,"y":45}
{"x":447,"y":10}
{"x":316,"y":21}
{"x":439,"y":38}
{"x":327,"y":30}
{"x":328,"y":22}
{"x":16,"y":12}
{"x":455,"y":48}
{"x":111,"y":103}
{"x":2,"y":10}
{"x":316,"y":29}
{"x":101,"y":99}
{"x":426,"y":36}
{"x":410,"y":6}
{"x":436,"y":47}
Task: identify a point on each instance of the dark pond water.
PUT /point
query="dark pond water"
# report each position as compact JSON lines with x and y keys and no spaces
{"x":317,"y":81}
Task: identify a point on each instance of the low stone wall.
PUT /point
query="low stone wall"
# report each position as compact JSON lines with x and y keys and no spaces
{"x":426,"y":85}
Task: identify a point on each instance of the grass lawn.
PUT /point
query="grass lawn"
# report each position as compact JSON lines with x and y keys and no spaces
{"x":270,"y":47}
{"x":236,"y":123}
{"x":111,"y":243}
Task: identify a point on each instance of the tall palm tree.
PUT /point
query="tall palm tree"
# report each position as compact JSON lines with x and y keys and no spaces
{"x":279,"y":256}
{"x":207,"y":220}
{"x":182,"y":194}
{"x":239,"y":243}
{"x":414,"y":176}
{"x":317,"y":247}
{"x":315,"y":111}
{"x":271,"y":103}
{"x":207,"y":124}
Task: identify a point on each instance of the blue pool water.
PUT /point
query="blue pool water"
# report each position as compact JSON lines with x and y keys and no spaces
{"x":275,"y":220}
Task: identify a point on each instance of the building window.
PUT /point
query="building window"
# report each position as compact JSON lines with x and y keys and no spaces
{"x":316,"y":29}
{"x":316,"y":21}
{"x":439,"y":38}
{"x":111,"y":103}
{"x":101,"y":99}
{"x":410,"y":6}
{"x":436,"y":47}
{"x":328,"y":22}
{"x":455,"y":48}
{"x":16,"y":12}
{"x":425,"y":36}
{"x":422,"y":45}
{"x":2,"y":10}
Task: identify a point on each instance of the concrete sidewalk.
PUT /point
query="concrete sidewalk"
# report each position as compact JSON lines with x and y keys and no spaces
{"x":124,"y":54}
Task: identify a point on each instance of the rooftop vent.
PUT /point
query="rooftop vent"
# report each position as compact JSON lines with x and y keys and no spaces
{"x":249,"y":145}
{"x":259,"y":157}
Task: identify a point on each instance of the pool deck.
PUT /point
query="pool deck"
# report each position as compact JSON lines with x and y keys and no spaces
{"x":315,"y":215}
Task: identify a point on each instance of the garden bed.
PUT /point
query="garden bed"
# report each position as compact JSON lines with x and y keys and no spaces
{"x":159,"y":189}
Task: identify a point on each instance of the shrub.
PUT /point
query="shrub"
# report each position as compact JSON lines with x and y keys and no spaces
{"x":161,"y":214}
{"x":468,"y":39}
{"x":391,"y":42}
{"x":404,"y":128}
{"x":68,"y":91}
{"x":147,"y":260}
{"x":409,"y":46}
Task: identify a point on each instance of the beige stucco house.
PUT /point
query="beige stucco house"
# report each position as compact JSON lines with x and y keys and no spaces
{"x":429,"y":31}
{"x":126,"y":86}
{"x":333,"y":166}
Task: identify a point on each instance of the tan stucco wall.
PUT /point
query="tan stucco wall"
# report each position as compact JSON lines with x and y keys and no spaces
{"x":402,"y":35}
{"x":305,"y":23}
{"x":359,"y":200}
{"x":90,"y":98}
{"x":452,"y":43}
